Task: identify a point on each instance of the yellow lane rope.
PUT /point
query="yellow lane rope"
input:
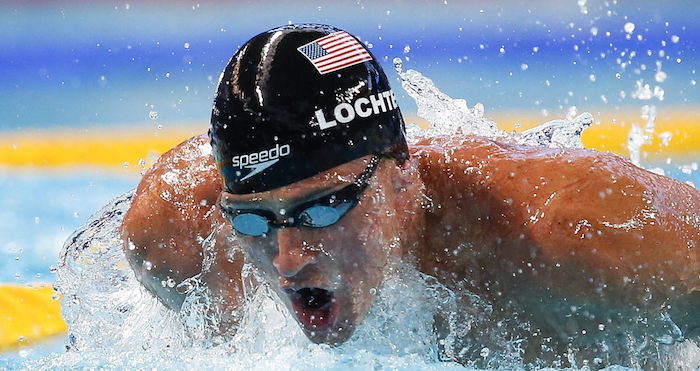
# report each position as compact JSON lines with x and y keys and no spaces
{"x":128,"y":147}
{"x":115,"y":147}
{"x":28,"y":315}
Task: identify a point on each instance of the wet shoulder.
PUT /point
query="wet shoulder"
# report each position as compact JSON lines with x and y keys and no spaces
{"x":496,"y":163}
{"x":172,"y":212}
{"x":184,"y":181}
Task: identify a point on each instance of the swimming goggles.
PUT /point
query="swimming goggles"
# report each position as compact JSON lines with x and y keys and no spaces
{"x":319,"y":213}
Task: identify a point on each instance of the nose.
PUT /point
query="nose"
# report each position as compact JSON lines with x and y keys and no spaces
{"x":291,"y":257}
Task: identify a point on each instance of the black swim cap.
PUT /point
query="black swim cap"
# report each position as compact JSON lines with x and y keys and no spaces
{"x":296,"y":101}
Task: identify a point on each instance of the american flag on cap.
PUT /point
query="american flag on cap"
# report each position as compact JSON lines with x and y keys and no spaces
{"x":334,"y":52}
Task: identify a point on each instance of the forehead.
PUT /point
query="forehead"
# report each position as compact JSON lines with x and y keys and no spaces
{"x":338,"y":176}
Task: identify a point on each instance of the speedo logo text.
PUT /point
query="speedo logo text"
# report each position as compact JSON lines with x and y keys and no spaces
{"x":362,"y":107}
{"x":265,"y":155}
{"x":256,"y":162}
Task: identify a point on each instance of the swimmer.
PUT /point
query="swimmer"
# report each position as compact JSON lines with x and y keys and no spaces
{"x":309,"y":178}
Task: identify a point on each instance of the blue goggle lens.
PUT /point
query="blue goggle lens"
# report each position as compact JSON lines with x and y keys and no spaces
{"x":250,"y":224}
{"x":320,"y":216}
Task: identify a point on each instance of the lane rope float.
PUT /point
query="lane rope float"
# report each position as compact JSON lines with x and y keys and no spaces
{"x":28,"y":314}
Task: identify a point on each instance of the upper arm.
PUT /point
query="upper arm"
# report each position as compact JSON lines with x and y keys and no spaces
{"x":174,"y":209}
{"x":624,"y":222}
{"x":570,"y":216}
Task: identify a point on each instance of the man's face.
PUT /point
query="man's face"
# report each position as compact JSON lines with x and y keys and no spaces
{"x":327,"y":277}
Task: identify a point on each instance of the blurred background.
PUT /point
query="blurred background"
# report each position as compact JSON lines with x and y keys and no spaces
{"x":91,"y":92}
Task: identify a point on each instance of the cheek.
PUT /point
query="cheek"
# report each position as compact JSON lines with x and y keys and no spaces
{"x":259,"y":251}
{"x":360,"y":247}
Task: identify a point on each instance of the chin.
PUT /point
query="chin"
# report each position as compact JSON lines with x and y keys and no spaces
{"x":335,"y":335}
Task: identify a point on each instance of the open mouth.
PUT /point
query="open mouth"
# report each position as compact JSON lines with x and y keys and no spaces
{"x":315,"y":308}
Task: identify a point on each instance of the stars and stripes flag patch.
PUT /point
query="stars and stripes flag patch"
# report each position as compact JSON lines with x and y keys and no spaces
{"x":334,"y":52}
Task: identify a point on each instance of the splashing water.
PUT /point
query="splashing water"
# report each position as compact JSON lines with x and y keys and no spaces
{"x":446,"y":115}
{"x":558,"y":133}
{"x":115,"y":323}
{"x":637,"y":138}
{"x":415,"y":324}
{"x":453,"y":118}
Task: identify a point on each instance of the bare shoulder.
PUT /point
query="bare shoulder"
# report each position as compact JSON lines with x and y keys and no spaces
{"x":173,"y":211}
{"x":587,"y":209}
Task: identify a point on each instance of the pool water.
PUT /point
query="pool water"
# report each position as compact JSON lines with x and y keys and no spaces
{"x":115,"y":323}
{"x":45,"y":207}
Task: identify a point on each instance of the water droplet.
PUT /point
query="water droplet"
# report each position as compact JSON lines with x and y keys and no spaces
{"x":484,"y":352}
{"x":373,"y":291}
{"x":618,"y":75}
{"x":407,"y":49}
{"x":37,"y":220}
{"x":629,"y":27}
{"x":153,"y":115}
{"x":147,"y":265}
{"x":398,"y":65}
{"x":675,"y":39}
{"x":56,"y":296}
{"x":186,"y":45}
{"x":184,"y":287}
{"x":660,"y":75}
{"x":524,"y":66}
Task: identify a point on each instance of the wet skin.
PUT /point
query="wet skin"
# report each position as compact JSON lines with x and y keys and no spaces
{"x":534,"y":230}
